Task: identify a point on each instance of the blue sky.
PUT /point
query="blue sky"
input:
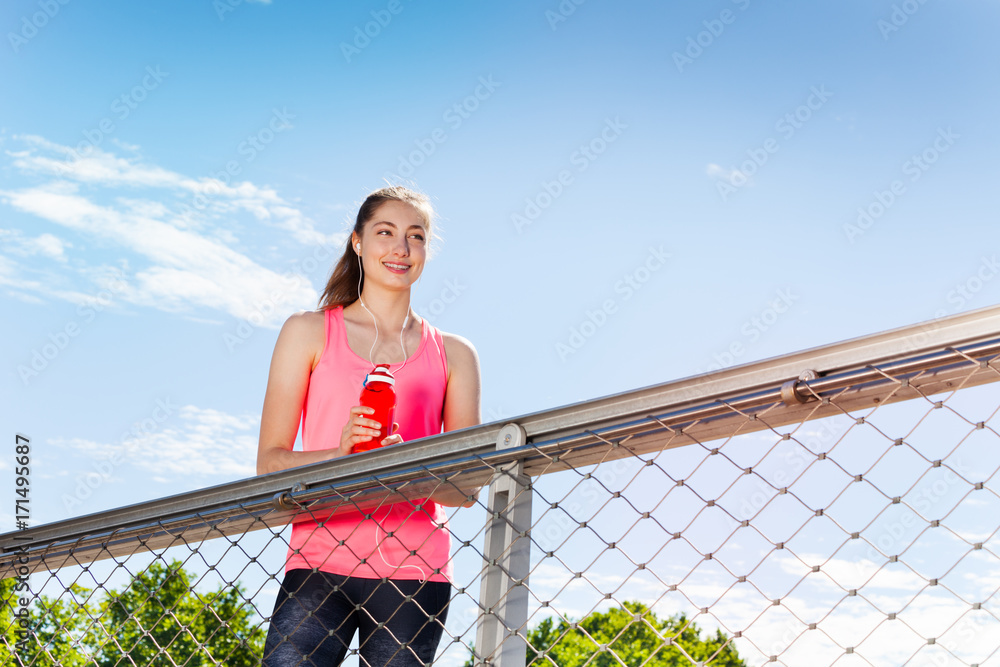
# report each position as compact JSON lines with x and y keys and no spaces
{"x":629,"y":193}
{"x":618,"y":208}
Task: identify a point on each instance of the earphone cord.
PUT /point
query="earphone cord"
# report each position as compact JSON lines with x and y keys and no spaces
{"x":378,"y":542}
{"x":374,"y":321}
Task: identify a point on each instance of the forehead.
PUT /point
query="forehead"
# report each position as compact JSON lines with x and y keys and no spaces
{"x":399,"y":214}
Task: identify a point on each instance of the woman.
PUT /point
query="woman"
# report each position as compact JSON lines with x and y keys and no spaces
{"x":387,"y":576}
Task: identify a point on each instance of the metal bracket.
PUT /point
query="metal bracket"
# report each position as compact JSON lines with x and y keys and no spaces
{"x":283,"y":500}
{"x":790,"y":393}
{"x":512,"y":435}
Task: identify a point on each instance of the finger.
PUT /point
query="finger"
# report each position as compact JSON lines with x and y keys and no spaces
{"x":359,"y":412}
{"x":370,"y":423}
{"x":395,"y":427}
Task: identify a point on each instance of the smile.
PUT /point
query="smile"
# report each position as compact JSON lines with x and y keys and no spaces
{"x":396,"y":268}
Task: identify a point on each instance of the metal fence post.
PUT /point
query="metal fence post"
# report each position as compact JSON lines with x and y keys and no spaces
{"x":503,"y":595}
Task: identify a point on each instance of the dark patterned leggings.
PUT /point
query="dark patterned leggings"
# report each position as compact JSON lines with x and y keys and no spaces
{"x":316,"y":614}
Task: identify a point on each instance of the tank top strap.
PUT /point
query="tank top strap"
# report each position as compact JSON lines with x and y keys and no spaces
{"x":331,"y":329}
{"x":436,"y":344}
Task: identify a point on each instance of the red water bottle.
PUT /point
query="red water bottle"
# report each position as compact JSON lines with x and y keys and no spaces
{"x":379,"y":393}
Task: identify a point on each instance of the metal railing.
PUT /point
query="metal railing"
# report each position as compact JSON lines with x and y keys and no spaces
{"x":837,"y":505}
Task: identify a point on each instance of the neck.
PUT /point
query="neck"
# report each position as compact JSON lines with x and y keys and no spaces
{"x":391,"y":310}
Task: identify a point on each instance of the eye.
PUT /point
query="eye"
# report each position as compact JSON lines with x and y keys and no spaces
{"x":419,"y":237}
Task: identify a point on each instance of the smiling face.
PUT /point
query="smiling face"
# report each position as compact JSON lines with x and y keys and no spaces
{"x":393,"y":245}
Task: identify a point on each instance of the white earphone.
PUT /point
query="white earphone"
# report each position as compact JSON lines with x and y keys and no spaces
{"x":357,"y":247}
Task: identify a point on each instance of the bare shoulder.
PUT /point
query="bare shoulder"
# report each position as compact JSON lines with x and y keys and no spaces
{"x":459,"y":350}
{"x":306,"y":322}
{"x":305,"y":332}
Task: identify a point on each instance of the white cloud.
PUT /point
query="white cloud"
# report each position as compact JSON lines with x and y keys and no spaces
{"x":189,"y":256}
{"x":46,"y":245}
{"x":766,"y":629}
{"x":199,"y":442}
{"x":49,"y":245}
{"x":201,"y":197}
{"x":732,"y":176}
{"x":187,"y":268}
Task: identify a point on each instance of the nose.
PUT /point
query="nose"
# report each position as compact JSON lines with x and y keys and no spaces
{"x":402,"y":246}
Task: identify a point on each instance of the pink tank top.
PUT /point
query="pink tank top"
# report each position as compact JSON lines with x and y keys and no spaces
{"x":398,"y":541}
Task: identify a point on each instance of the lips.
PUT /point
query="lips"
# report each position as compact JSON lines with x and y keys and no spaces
{"x":396,"y":268}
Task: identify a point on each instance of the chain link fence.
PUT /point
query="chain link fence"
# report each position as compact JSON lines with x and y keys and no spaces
{"x":834,"y":506}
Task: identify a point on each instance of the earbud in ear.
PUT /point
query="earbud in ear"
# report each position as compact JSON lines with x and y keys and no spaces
{"x":357,"y":246}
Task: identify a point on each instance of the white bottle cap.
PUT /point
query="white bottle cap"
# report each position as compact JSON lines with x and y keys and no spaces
{"x":380,"y":374}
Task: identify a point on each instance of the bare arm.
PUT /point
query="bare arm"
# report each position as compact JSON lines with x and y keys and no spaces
{"x":295,"y":354}
{"x":299,"y":347}
{"x":461,"y":406}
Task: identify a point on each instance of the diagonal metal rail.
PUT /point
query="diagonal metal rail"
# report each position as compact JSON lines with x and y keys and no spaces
{"x":932,"y":356}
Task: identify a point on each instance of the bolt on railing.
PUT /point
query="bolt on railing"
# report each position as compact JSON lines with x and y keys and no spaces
{"x":837,"y":505}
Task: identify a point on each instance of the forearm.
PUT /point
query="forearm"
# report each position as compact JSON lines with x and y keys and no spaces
{"x":451,"y":496}
{"x":274,"y":459}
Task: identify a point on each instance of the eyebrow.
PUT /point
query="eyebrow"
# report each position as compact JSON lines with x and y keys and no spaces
{"x":394,"y":226}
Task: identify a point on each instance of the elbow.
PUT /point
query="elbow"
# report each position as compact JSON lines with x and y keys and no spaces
{"x":265,"y":462}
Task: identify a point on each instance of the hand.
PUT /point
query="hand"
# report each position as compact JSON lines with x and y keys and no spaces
{"x":393,"y":439}
{"x":359,"y":428}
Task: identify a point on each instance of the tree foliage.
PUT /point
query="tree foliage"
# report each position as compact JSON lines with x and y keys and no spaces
{"x":628,"y":635}
{"x":157,"y":619}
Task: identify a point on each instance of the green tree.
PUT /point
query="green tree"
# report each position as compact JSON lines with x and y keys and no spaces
{"x":631,"y":632}
{"x":157,"y":619}
{"x":57,"y":627}
{"x":634,"y":634}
